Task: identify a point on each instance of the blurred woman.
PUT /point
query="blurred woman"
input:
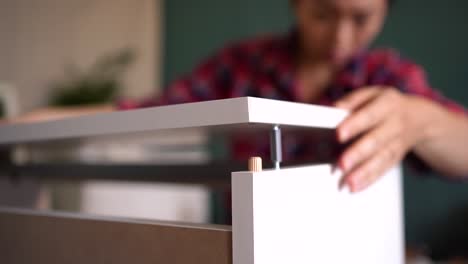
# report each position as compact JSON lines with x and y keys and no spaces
{"x":325,"y":60}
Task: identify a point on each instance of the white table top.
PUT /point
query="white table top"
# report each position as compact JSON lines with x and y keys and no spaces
{"x":235,"y":111}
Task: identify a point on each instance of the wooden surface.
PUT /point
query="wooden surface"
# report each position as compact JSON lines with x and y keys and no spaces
{"x":51,"y":238}
{"x":235,"y":111}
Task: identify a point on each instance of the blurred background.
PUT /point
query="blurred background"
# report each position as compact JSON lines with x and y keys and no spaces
{"x":61,"y":52}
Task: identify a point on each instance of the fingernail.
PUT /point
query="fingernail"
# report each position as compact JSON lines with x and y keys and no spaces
{"x":343,"y":184}
{"x":356,"y":188}
{"x":354,"y":183}
{"x":359,"y":188}
{"x":347,"y":163}
{"x":343,"y":135}
{"x":335,"y":168}
{"x":359,"y":185}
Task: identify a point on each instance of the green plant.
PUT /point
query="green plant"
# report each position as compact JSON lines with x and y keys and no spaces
{"x":100,"y":84}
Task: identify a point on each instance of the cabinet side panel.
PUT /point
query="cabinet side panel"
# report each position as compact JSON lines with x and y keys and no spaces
{"x":300,"y":216}
{"x":242,"y":218}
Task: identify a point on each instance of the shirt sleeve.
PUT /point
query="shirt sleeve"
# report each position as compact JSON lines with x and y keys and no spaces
{"x":414,"y":81}
{"x":210,"y":80}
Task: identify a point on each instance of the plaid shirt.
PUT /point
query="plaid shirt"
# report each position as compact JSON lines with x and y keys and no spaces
{"x":264,"y":67}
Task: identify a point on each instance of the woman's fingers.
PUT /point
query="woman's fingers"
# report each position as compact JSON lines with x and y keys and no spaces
{"x":372,"y":169}
{"x":369,"y":115}
{"x":358,"y":98}
{"x":378,"y":117}
{"x":369,"y":144}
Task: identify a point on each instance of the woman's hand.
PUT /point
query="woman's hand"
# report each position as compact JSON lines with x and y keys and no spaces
{"x":386,"y":125}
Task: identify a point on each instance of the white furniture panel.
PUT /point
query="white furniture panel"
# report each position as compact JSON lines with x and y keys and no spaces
{"x":235,"y":111}
{"x":298,"y":215}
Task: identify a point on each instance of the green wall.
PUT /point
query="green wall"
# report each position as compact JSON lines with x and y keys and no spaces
{"x":431,"y":32}
{"x":195,"y":29}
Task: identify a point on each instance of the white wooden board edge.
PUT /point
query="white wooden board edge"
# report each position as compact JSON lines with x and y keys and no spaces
{"x":242,"y":110}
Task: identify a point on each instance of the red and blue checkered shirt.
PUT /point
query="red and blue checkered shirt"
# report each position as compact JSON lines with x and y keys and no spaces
{"x":264,"y":67}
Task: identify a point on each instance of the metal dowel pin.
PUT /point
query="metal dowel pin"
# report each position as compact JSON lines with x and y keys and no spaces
{"x":275,"y":146}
